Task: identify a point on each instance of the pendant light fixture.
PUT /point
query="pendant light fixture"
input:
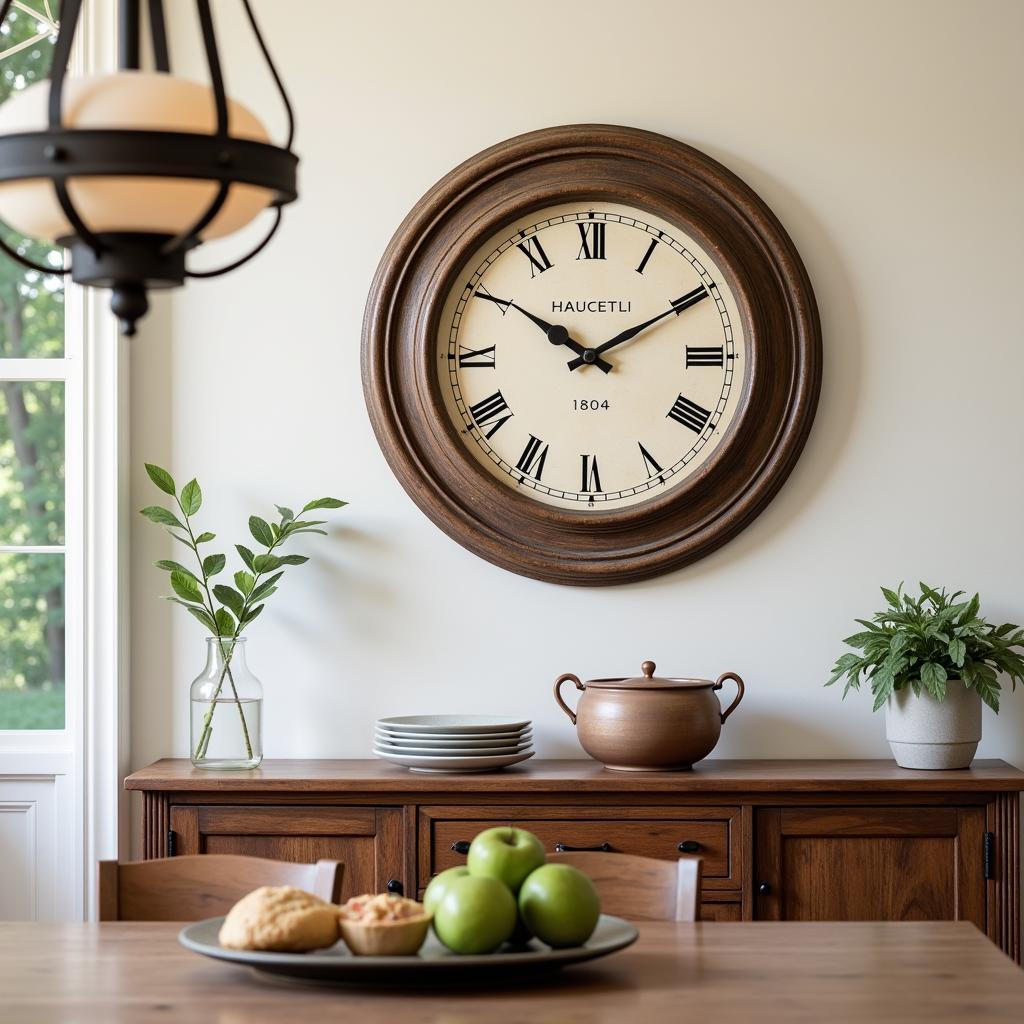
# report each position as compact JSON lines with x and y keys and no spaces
{"x":132,"y":171}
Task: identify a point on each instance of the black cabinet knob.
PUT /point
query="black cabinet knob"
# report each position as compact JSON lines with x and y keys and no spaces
{"x":395,"y":886}
{"x":689,"y":846}
{"x":461,"y":846}
{"x":764,"y":888}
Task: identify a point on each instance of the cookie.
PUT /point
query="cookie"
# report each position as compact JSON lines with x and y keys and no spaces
{"x":281,"y":919}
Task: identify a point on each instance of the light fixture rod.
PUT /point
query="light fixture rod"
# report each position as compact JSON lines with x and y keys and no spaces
{"x":158,"y":32}
{"x":128,"y":52}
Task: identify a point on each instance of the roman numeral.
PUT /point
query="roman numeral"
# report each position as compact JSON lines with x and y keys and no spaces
{"x":647,"y":255}
{"x":591,"y":240}
{"x":489,"y":410}
{"x":535,"y":253}
{"x":690,"y":414}
{"x":709,"y":355}
{"x":689,"y":299}
{"x":470,"y":357}
{"x":502,"y":304}
{"x":591,"y":479}
{"x":531,"y":462}
{"x":650,"y":463}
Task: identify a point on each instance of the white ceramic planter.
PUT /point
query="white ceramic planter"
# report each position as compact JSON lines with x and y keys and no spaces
{"x":930,"y":734}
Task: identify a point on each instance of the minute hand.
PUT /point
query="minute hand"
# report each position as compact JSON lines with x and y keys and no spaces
{"x":677,"y":307}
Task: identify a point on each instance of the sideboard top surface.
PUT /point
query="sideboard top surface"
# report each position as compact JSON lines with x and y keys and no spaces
{"x":579,"y":775}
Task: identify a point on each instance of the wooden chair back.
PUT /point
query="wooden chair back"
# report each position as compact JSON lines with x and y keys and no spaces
{"x":195,"y":887}
{"x":641,"y":888}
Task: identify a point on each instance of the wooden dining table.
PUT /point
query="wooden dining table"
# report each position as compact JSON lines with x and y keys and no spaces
{"x":715,"y":972}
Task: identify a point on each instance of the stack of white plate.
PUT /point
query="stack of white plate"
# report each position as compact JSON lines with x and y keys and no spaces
{"x":453,"y":743}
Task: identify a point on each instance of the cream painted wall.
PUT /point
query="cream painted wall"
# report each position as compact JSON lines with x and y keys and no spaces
{"x":887,"y":136}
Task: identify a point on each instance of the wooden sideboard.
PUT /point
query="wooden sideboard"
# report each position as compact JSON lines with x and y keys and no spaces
{"x":809,"y":840}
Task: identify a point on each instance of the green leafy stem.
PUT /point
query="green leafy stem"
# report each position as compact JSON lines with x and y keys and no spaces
{"x":224,"y":610}
{"x":926,"y":641}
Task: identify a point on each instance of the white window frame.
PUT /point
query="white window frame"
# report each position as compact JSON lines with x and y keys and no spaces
{"x":86,"y":760}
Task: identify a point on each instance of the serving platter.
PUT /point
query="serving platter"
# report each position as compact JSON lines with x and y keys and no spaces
{"x":432,"y":965}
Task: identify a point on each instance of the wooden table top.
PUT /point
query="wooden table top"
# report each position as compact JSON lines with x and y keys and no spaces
{"x":763,"y":971}
{"x":717,"y":775}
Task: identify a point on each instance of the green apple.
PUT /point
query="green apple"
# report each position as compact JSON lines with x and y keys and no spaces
{"x":438,"y":886}
{"x":506,"y":854}
{"x":475,"y":914}
{"x":560,"y":905}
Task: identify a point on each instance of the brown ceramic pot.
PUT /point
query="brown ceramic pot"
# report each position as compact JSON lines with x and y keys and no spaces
{"x":648,"y":724}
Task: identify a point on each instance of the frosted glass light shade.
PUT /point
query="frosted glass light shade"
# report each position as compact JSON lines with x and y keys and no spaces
{"x":131,"y":100}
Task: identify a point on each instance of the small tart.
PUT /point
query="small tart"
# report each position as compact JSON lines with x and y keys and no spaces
{"x":382,"y":924}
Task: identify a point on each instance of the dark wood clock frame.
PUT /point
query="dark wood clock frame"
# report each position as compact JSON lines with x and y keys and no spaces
{"x":591,"y":164}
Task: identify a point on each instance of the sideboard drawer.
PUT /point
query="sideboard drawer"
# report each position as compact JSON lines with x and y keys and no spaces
{"x":708,"y":832}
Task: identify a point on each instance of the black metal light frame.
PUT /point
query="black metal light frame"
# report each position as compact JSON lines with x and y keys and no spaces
{"x":131,"y":263}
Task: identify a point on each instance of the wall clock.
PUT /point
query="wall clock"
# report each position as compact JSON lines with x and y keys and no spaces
{"x":591,"y":354}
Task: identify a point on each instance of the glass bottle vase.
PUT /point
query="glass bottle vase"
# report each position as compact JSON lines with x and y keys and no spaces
{"x":226,"y":709}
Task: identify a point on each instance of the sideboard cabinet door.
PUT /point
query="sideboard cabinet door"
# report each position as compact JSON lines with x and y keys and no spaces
{"x":367,"y":840}
{"x":869,"y":864}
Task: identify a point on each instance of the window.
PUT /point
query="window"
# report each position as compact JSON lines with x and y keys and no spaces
{"x":38,"y":375}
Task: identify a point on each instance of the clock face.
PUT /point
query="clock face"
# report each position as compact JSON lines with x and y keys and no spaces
{"x":591,"y":357}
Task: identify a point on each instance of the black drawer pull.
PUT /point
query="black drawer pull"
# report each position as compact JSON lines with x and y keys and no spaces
{"x":460,"y":846}
{"x":765,"y":888}
{"x":689,"y":846}
{"x":395,"y":886}
{"x":600,"y":848}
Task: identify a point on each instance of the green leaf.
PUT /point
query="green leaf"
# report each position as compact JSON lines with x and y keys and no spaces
{"x":213,"y":564}
{"x":162,"y":516}
{"x":225,"y":623}
{"x":285,"y":513}
{"x":845,"y":663}
{"x":169,"y":566}
{"x":201,"y":614}
{"x":265,"y":563}
{"x":246,"y":555}
{"x":185,"y":586}
{"x":191,"y":497}
{"x":321,"y":532}
{"x":205,"y":538}
{"x":292,"y":559}
{"x":260,"y":529}
{"x":251,"y":614}
{"x":265,"y":589}
{"x":882,"y":692}
{"x":957,"y":651}
{"x":161,"y":478}
{"x":860,"y":639}
{"x":245,"y":582}
{"x":933,"y":678}
{"x":229,"y":596}
{"x":892,"y":597}
{"x":323,"y":503}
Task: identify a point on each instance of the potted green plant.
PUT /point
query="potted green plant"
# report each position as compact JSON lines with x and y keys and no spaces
{"x":931,"y":661}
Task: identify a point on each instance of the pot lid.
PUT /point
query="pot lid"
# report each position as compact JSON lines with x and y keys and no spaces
{"x":648,"y":681}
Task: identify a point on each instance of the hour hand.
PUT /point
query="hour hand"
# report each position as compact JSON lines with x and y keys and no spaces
{"x":556,"y":333}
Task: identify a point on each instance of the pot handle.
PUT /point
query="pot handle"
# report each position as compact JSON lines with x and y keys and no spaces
{"x":558,"y":696}
{"x":739,"y":692}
